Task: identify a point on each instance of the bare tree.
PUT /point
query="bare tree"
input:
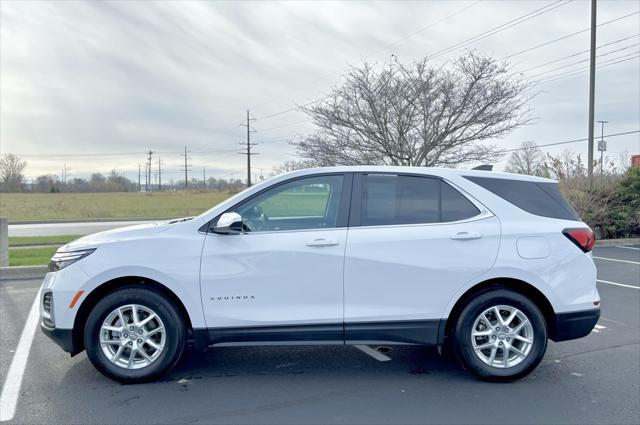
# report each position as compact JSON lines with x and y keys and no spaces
{"x":11,"y":173}
{"x":292,"y":165}
{"x":418,"y":115}
{"x":528,"y":160}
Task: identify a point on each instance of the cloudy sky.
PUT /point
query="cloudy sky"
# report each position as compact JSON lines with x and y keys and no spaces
{"x":94,"y":85}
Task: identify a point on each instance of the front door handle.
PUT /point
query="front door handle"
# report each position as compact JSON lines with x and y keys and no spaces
{"x":322,"y":242}
{"x":463,"y":236}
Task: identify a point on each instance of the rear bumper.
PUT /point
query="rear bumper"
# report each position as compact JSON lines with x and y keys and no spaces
{"x":62,"y":337}
{"x":576,"y":324}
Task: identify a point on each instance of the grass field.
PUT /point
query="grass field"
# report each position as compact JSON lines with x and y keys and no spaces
{"x":295,"y":204}
{"x":15,"y":241}
{"x":70,"y":206}
{"x":31,"y":257}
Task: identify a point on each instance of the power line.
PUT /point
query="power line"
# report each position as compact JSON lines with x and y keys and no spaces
{"x":566,"y":36}
{"x":573,"y":141}
{"x":579,"y":53}
{"x":610,"y":62}
{"x":587,"y":60}
{"x":284,"y":125}
{"x":509,"y":24}
{"x":533,"y":76}
{"x":386,"y":47}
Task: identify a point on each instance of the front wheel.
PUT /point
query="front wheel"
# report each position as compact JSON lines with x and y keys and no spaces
{"x":134,"y":334}
{"x":500,"y":335}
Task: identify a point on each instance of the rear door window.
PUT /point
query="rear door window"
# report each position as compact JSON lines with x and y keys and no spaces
{"x":539,"y":198}
{"x":455,"y":206}
{"x":388,"y":199}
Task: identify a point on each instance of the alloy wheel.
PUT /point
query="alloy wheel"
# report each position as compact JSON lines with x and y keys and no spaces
{"x":132,"y":336}
{"x":502,"y":336}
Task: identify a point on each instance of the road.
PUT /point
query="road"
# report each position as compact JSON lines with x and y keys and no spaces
{"x":55,"y":229}
{"x":592,"y":380}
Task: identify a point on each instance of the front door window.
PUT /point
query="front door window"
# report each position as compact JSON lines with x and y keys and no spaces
{"x":308,"y":203}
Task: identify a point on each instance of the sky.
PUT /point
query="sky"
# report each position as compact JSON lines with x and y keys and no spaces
{"x":94,"y":85}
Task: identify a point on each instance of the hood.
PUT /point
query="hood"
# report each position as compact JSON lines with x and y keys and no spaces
{"x":137,"y":231}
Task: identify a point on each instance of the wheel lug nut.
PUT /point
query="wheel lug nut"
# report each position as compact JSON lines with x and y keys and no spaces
{"x":493,"y":337}
{"x":130,"y":328}
{"x":126,"y":335}
{"x":140,"y":331}
{"x":130,"y":342}
{"x":139,"y":341}
{"x":508,"y":339}
{"x":498,"y":329}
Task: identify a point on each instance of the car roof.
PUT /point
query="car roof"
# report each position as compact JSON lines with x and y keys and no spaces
{"x":431,"y":171}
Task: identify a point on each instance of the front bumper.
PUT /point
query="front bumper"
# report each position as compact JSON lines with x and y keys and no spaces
{"x":62,"y":337}
{"x":576,"y":324}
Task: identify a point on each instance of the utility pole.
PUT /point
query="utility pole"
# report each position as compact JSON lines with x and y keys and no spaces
{"x":248,"y":147}
{"x":146,"y":188}
{"x":159,"y":175}
{"x":139,"y":175}
{"x":602,"y":146}
{"x":592,"y":89}
{"x":204,"y":178}
{"x":65,"y":171}
{"x":186,"y":167}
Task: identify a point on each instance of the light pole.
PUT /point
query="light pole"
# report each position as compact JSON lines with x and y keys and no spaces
{"x":602,"y":145}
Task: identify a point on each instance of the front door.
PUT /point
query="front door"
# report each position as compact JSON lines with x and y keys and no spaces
{"x":282,"y":279}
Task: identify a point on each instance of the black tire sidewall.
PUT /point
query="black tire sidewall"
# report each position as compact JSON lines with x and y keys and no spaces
{"x":462,"y":335}
{"x":171,"y":318}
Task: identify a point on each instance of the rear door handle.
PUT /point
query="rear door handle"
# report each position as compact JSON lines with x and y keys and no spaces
{"x":463,"y":236}
{"x":322,"y":242}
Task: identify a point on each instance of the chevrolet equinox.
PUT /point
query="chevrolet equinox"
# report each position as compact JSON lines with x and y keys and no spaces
{"x":491,"y":265}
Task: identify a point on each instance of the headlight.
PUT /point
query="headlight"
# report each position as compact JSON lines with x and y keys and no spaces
{"x":60,"y":260}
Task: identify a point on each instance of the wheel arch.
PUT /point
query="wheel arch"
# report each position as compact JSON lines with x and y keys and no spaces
{"x":111,"y":285}
{"x":517,"y":285}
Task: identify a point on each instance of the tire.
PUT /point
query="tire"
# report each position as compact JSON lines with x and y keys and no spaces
{"x":165,"y":330}
{"x":475,"y":351}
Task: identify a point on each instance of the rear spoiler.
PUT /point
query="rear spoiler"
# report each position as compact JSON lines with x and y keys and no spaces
{"x":485,"y":167}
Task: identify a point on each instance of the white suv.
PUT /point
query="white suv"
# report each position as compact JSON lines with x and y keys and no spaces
{"x":490,"y":264}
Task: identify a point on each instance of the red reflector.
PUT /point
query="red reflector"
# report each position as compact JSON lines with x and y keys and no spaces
{"x":582,"y":237}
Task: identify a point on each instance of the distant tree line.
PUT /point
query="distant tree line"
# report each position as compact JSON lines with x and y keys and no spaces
{"x":12,"y":179}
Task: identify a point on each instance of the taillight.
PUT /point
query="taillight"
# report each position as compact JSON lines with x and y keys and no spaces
{"x":582,"y":237}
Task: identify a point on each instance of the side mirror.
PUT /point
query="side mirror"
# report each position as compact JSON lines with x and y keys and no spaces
{"x":228,"y":224}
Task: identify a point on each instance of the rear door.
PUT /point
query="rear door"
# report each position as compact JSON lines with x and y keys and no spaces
{"x":414,"y":241}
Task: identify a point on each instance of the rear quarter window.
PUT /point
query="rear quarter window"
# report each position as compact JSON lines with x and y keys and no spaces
{"x":539,"y":198}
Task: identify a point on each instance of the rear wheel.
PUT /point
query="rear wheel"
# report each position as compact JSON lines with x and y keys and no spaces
{"x":134,"y":334}
{"x":500,"y":335}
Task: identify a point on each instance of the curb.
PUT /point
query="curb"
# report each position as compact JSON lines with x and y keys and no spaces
{"x":49,"y":245}
{"x":618,"y":242}
{"x":22,"y":272}
{"x":86,"y":220}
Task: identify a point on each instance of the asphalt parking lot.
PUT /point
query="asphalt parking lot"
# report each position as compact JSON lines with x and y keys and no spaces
{"x":592,"y":380}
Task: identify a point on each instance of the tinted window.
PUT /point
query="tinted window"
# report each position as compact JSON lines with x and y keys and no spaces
{"x":391,"y":199}
{"x":537,"y":198}
{"x":455,"y":206}
{"x":308,"y":203}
